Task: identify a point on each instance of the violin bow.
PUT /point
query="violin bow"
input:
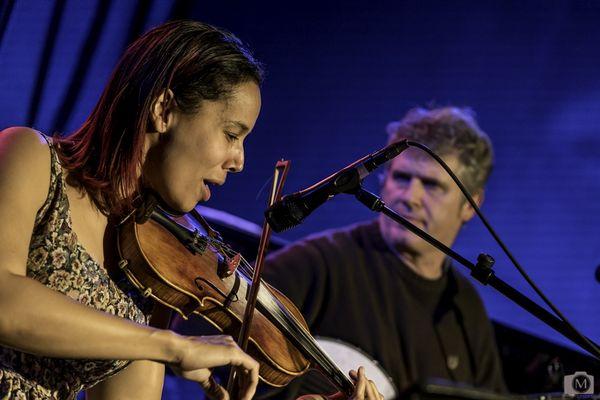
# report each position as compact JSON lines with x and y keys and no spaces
{"x":281,"y":169}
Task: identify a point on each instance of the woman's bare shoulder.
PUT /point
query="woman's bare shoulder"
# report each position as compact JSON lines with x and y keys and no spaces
{"x":24,"y":163}
{"x":22,"y":141}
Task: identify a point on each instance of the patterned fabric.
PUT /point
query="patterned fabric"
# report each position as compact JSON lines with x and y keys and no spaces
{"x":59,"y":261}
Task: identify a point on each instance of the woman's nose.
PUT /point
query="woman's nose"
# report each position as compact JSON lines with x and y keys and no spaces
{"x":236,"y":163}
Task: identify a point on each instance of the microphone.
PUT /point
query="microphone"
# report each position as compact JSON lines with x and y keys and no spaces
{"x":293,"y":208}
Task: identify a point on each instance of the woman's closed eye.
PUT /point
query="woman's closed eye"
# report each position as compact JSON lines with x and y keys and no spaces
{"x":231,"y":137}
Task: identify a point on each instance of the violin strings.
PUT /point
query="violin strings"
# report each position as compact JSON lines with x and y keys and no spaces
{"x":272,"y":305}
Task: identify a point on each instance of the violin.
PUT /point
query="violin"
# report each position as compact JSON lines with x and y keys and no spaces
{"x":194,"y":273}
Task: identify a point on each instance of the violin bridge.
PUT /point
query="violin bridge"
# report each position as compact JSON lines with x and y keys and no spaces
{"x":234,"y":262}
{"x":227,"y":267}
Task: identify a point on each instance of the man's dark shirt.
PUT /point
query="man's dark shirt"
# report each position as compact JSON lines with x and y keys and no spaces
{"x":349,"y":285}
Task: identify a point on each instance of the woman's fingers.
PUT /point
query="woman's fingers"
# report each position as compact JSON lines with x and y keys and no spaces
{"x":213,"y":390}
{"x":247,"y":369}
{"x":365,"y":389}
{"x":205,"y":379}
{"x":202,"y":353}
{"x":224,"y":340}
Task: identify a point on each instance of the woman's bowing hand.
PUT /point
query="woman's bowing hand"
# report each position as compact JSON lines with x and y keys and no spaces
{"x":200,"y":353}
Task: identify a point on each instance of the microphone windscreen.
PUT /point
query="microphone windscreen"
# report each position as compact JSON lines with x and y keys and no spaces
{"x":282,"y":216}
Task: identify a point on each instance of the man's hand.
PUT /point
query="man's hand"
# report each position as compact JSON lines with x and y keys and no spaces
{"x":364,"y":389}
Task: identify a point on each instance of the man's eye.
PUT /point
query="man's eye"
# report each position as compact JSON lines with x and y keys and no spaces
{"x":401,"y":178}
{"x":433,"y":187}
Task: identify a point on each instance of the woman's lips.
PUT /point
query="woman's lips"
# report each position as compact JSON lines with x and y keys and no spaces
{"x":206,"y":190}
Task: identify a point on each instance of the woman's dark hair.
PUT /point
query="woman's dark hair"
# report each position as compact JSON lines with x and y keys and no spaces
{"x":196,"y":61}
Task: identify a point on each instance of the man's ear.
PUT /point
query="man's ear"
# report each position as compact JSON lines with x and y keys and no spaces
{"x":161,"y":111}
{"x":382,"y":176}
{"x":467,"y":212}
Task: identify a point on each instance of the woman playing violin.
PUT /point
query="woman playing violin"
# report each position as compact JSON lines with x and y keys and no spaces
{"x":172,"y":119}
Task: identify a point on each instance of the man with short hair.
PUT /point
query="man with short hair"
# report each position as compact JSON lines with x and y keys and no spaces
{"x":386,"y":292}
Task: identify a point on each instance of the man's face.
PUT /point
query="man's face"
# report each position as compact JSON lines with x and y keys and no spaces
{"x":417,"y":188}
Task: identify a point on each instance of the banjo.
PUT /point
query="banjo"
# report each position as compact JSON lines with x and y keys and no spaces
{"x":347,"y":357}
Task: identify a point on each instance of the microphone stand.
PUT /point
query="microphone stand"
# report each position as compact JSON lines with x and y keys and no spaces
{"x":482,"y":271}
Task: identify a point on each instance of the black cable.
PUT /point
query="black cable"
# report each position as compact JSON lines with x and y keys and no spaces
{"x":502,"y":245}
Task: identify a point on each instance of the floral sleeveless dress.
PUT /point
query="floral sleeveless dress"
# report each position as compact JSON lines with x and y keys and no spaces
{"x":57,"y":260}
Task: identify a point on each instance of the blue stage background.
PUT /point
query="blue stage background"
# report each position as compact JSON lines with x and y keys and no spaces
{"x":337,"y":72}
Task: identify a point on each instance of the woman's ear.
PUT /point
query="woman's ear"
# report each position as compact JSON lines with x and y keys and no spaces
{"x":161,"y":111}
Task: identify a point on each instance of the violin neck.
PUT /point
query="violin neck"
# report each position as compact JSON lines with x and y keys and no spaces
{"x":336,"y":376}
